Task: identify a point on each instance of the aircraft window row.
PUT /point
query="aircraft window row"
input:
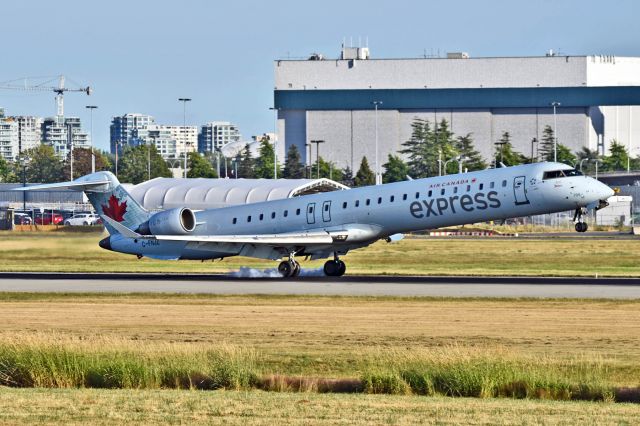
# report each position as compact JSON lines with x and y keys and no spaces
{"x":555,"y":174}
{"x":285,"y":213}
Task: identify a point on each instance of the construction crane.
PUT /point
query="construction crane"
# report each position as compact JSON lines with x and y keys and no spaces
{"x":22,"y":84}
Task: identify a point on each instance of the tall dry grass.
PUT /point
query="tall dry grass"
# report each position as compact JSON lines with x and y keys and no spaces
{"x":56,"y":361}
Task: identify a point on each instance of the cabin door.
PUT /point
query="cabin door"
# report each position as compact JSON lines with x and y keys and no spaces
{"x":311,"y":213}
{"x":326,"y":211}
{"x":519,"y":190}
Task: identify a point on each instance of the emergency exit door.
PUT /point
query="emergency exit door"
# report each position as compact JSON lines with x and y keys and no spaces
{"x":519,"y":190}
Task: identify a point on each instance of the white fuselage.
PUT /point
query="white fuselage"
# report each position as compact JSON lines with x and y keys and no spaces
{"x":364,"y":215}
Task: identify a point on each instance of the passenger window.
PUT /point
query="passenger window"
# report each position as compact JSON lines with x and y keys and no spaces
{"x":504,"y":183}
{"x":344,"y":205}
{"x":442,"y":191}
{"x":404,"y":197}
{"x":391,"y":198}
{"x":491,"y":185}
{"x":248,"y":218}
{"x":273,"y":215}
{"x":326,"y":207}
{"x":468,"y":188}
{"x":417,"y":195}
{"x":481,"y":186}
{"x":379,"y":200}
{"x":261,"y":216}
{"x":429,"y":193}
{"x":368,"y":201}
{"x":235,"y":220}
{"x":455,"y":189}
{"x":297,"y":212}
{"x":357,"y":203}
{"x":310,"y":209}
{"x":286,"y":213}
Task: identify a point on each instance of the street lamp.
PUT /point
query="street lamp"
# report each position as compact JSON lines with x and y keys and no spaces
{"x":309,"y":161}
{"x":275,"y":141}
{"x":595,"y":160}
{"x":317,"y":142}
{"x":534,"y":141}
{"x":93,"y":157}
{"x":184,"y":124}
{"x":376,"y":104}
{"x":149,"y":156}
{"x":445,"y":165}
{"x":555,"y":134}
{"x":501,"y":144}
{"x":460,"y":159}
{"x":582,"y":161}
{"x":24,"y":160}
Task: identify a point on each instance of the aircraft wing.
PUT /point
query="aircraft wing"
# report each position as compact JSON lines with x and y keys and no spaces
{"x":87,"y":185}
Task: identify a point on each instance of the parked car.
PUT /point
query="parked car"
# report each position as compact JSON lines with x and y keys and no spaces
{"x":22,"y":219}
{"x":48,"y":218}
{"x":82,"y":219}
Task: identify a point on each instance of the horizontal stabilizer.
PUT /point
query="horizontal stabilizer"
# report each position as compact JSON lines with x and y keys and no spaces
{"x":126,"y":232}
{"x":73,"y":185}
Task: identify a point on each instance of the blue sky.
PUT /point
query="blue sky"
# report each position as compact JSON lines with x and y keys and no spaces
{"x":140,"y":56}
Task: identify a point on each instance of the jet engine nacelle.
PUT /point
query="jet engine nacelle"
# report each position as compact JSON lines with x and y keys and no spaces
{"x":170,"y":222}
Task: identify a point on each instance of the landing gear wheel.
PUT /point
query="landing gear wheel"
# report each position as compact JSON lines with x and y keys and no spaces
{"x":296,"y":269}
{"x":334,"y":268}
{"x":581,"y":227}
{"x":286,"y":268}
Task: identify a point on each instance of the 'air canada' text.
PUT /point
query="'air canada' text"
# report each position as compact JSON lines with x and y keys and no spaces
{"x":454,"y":204}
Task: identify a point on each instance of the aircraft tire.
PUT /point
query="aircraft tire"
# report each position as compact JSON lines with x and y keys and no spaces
{"x":296,"y":269}
{"x":342,"y":268}
{"x":285,"y":268}
{"x":585,"y":227}
{"x":331,"y":268}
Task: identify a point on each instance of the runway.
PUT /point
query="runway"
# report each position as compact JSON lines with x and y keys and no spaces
{"x":499,"y":287}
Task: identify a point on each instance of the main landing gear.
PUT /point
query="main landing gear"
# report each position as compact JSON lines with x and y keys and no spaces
{"x":289,"y":268}
{"x":581,"y":225}
{"x":335,"y":267}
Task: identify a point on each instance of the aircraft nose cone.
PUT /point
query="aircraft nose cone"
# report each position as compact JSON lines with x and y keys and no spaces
{"x":605,"y":192}
{"x":105,"y":243}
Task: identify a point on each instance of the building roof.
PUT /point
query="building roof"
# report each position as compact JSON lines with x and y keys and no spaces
{"x":167,"y":193}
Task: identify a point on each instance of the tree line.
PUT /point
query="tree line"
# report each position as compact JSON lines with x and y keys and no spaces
{"x":430,"y":151}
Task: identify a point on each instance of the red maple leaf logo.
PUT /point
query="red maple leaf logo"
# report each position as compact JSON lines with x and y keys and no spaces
{"x":115,"y":210}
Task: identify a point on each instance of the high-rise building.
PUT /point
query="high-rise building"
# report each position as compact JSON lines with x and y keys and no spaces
{"x":123,"y":127}
{"x":18,"y":134}
{"x":170,"y":141}
{"x":216,"y":134}
{"x":60,"y":132}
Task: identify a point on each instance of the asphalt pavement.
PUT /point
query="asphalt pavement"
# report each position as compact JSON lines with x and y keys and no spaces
{"x":263,"y":282}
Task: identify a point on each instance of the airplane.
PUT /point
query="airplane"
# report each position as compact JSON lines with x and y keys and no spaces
{"x":330,"y":224}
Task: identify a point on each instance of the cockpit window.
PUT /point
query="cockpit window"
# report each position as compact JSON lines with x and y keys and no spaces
{"x":555,"y":174}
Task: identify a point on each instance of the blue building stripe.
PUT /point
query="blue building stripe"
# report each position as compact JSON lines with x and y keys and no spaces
{"x":527,"y":97}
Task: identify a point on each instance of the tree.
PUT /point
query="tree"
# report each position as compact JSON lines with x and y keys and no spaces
{"x":133,"y":164}
{"x":618,"y":157}
{"x":564,"y":155}
{"x":347,"y":176}
{"x":545,"y":151}
{"x":200,"y":167}
{"x":264,"y":162}
{"x":82,"y":162}
{"x":293,"y":167}
{"x":246,"y":164}
{"x":506,"y":154}
{"x":395,"y":170}
{"x":7,"y":171}
{"x":43,"y":165}
{"x":472,"y":158}
{"x":588,"y":155}
{"x":365,"y":175}
{"x":328,"y":170}
{"x":427,"y":146}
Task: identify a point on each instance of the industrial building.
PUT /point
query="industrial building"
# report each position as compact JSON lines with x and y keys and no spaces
{"x":335,"y":100}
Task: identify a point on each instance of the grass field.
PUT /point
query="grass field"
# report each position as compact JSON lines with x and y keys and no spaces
{"x":71,"y":406}
{"x":567,"y":256}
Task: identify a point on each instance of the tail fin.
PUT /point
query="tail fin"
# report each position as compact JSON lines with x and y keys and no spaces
{"x":108,"y":198}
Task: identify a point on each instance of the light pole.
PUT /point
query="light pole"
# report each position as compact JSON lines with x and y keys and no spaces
{"x":376,"y":104}
{"x":275,"y":141}
{"x":555,"y":128}
{"x":460,"y":159}
{"x":534,"y":141}
{"x":595,"y":160}
{"x":149,"y":157}
{"x":93,"y":157}
{"x":445,"y":165}
{"x":501,"y":144}
{"x":184,"y":124}
{"x":582,"y":161}
{"x":309,"y":161}
{"x":317,"y":142}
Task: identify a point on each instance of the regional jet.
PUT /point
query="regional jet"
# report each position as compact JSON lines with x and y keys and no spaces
{"x":328,"y":225}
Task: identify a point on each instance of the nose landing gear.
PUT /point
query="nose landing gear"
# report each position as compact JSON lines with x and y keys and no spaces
{"x":581,"y":225}
{"x":335,"y":267}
